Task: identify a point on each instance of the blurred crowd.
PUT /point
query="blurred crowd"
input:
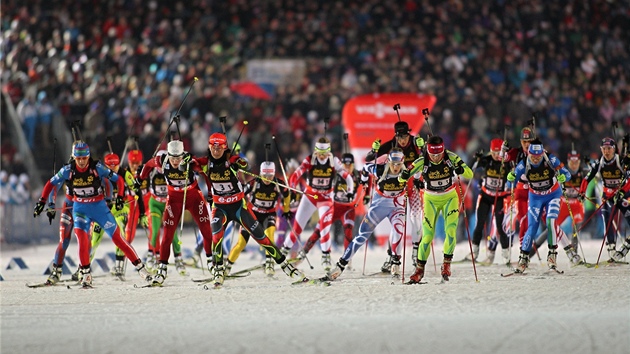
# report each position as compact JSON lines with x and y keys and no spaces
{"x":122,"y":67}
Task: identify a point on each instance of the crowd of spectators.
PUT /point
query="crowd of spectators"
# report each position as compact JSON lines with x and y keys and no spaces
{"x":122,"y":67}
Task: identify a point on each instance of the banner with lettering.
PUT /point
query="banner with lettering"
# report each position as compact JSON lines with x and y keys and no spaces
{"x":369,"y":117}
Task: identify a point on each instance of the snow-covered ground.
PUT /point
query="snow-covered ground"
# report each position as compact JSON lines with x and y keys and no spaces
{"x":582,"y":311}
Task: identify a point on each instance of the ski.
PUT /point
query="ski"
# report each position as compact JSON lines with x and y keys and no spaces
{"x":147,"y":286}
{"x":248,"y":270}
{"x":584,"y":264}
{"x":378,"y":273}
{"x":306,"y":281}
{"x":415,"y":283}
{"x":229,"y":276}
{"x":555,"y":270}
{"x":505,"y":275}
{"x":215,"y":286}
{"x":79,"y":286}
{"x":40,"y":285}
{"x":612,"y":262}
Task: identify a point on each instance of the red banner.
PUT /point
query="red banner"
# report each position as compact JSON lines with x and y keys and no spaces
{"x":372,"y":116}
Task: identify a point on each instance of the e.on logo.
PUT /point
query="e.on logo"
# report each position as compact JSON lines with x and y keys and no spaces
{"x":380,"y":109}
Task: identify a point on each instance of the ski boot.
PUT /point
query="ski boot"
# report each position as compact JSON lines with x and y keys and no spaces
{"x":395,"y":270}
{"x":523,"y":262}
{"x":228,"y":267}
{"x":446,"y":267}
{"x":336,"y":272}
{"x":573,"y":256}
{"x":475,"y":253}
{"x":269,"y":270}
{"x":150,"y":262}
{"x":219,"y":275}
{"x":159,"y":278}
{"x":612,"y":249}
{"x":118,"y":269}
{"x":489,"y":256}
{"x":326,"y":262}
{"x":291,"y":271}
{"x":552,"y":258}
{"x":505,"y":254}
{"x":285,"y":250}
{"x":210,"y":265}
{"x":179,"y":265}
{"x":387,"y":265}
{"x":417,"y":275}
{"x":86,"y":277}
{"x":619,"y":255}
{"x":76,"y":276}
{"x":143,"y":272}
{"x":55,"y":275}
{"x":414,"y":254}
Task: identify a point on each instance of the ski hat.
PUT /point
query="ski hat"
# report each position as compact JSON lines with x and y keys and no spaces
{"x":495,"y":144}
{"x":175,"y":148}
{"x":347,"y":158}
{"x":112,"y":160}
{"x":80,"y":149}
{"x":218,"y":139}
{"x":435,"y":145}
{"x":536,"y":149}
{"x":135,"y":156}
{"x":573,"y":155}
{"x":527,"y":134}
{"x":608,"y":142}
{"x":396,"y":155}
{"x":401,"y":128}
{"x":268,"y":168}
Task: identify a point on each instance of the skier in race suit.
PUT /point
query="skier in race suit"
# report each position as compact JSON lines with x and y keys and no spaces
{"x":265,"y":196}
{"x":388,"y":203}
{"x":544,"y":174}
{"x":344,"y":207}
{"x":183,"y":192}
{"x":442,"y":194}
{"x":229,"y":204}
{"x":412,"y":148}
{"x":84,"y":175}
{"x":320,"y":169}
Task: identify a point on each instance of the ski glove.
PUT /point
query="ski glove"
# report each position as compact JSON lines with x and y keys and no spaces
{"x":51,"y":212}
{"x":366,"y":199}
{"x":479,"y":154}
{"x":350,"y":196}
{"x":237,"y":163}
{"x":144,"y":221}
{"x":288,"y":216}
{"x":511,"y":177}
{"x":619,"y":196}
{"x":120,"y":203}
{"x":561,"y":178}
{"x":419,"y":142}
{"x":376,"y":144}
{"x":404,"y":176}
{"x":137,"y":183}
{"x":39,"y":207}
{"x":460,"y":168}
{"x":505,"y":148}
{"x":183,"y":166}
{"x":581,"y":197}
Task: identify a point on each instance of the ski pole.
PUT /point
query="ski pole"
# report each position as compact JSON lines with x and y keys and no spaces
{"x":463,"y":208}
